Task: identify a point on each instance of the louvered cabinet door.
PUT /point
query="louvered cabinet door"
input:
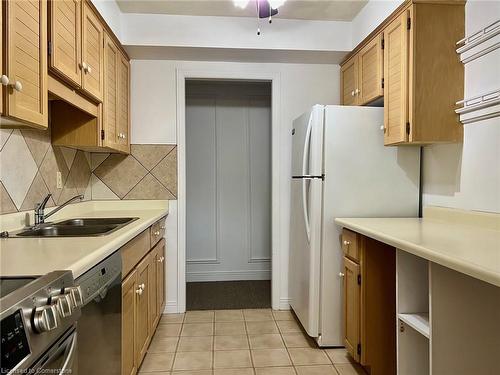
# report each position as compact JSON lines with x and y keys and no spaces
{"x":1,"y":58}
{"x":92,"y":53}
{"x":65,"y":40}
{"x":143,"y":332}
{"x":123,"y":103}
{"x":396,"y":80}
{"x":110,"y":103}
{"x":370,"y":61}
{"x":349,"y":82}
{"x":129,"y":318}
{"x":26,"y":61}
{"x":352,"y":312}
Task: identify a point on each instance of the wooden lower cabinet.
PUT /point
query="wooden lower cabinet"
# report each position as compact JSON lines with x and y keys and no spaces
{"x":370,"y":304}
{"x":143,"y":296}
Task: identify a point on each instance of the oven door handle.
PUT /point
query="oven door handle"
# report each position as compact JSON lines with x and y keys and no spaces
{"x":68,"y":362}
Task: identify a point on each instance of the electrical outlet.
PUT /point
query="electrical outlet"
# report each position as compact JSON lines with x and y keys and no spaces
{"x":59,"y":180}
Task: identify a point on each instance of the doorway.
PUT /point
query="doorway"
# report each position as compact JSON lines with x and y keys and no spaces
{"x":228,"y":194}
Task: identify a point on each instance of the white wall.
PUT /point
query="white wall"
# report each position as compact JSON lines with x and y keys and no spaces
{"x":110,"y":11}
{"x":153,"y":107}
{"x":467,"y":175}
{"x":228,"y":181}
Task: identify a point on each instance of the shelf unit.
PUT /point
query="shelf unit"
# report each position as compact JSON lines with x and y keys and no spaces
{"x":412,"y":308}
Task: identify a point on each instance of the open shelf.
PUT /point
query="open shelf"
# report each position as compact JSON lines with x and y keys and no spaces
{"x":418,"y":321}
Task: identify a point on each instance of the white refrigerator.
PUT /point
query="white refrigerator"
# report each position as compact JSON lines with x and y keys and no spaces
{"x":340,"y":168}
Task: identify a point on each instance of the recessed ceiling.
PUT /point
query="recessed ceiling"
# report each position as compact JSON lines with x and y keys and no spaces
{"x":331,"y":10}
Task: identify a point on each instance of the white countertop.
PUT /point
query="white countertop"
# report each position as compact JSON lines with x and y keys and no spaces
{"x":470,"y":249}
{"x":38,"y":256}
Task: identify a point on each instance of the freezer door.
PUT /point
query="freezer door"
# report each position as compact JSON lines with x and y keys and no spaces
{"x":305,"y":238}
{"x":307,"y":143}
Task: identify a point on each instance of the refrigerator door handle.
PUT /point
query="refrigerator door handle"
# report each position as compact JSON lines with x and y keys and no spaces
{"x":306,"y":209}
{"x":305,"y":161}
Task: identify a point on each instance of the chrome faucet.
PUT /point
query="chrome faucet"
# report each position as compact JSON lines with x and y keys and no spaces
{"x":40,"y":207}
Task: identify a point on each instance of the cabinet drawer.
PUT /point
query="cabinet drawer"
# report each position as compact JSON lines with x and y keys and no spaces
{"x":134,"y":250}
{"x":157,"y":231}
{"x":351,"y":244}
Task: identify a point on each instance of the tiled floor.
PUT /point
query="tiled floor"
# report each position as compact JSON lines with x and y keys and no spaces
{"x":239,"y":342}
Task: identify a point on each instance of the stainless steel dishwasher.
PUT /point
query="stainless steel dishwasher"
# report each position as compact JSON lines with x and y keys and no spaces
{"x":99,"y":327}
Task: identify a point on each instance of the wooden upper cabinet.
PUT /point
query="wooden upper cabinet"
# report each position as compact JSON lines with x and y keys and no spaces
{"x":129,"y":293}
{"x":65,"y":46}
{"x":396,"y":81}
{"x":110,"y":105}
{"x":349,"y":82}
{"x":25,"y":58}
{"x":370,"y":64}
{"x":123,"y":103}
{"x":352,"y":312}
{"x":92,"y":53}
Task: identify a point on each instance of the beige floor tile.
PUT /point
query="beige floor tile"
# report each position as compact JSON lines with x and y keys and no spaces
{"x":193,"y":361}
{"x":258,"y":315}
{"x":195,"y":344}
{"x":194,"y":372}
{"x":302,"y":356}
{"x":172,"y":318}
{"x":349,"y":369}
{"x":228,"y":315}
{"x":272,"y":341}
{"x":338,"y":356}
{"x":275,"y":371}
{"x":231,"y":342}
{"x":288,"y":326}
{"x":316,"y":370}
{"x":261,"y":328}
{"x":155,"y":373}
{"x":232,"y":359}
{"x":199,"y":317}
{"x":283,"y":315}
{"x":163,"y":344}
{"x":230,"y":328}
{"x":168,"y":330}
{"x":197,"y":329}
{"x":157,"y":362}
{"x":298,"y":340}
{"x":234,"y":371}
{"x":270,"y":357}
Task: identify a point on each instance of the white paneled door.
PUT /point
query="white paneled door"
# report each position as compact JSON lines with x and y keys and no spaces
{"x":228,"y":182}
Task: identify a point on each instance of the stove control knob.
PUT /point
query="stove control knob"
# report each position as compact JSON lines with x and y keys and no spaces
{"x":45,"y":318}
{"x":64,"y":304}
{"x":76,"y":295}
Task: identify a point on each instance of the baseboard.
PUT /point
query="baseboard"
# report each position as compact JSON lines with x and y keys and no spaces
{"x":170,"y":307}
{"x":284,"y":304}
{"x":227,"y":276}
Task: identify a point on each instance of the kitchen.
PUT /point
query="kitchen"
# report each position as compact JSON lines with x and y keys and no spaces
{"x":101,"y":114}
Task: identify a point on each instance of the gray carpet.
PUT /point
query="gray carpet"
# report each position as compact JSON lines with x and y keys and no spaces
{"x":223,"y":295}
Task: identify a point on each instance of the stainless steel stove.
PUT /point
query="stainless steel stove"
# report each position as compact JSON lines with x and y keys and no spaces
{"x":38,"y":318}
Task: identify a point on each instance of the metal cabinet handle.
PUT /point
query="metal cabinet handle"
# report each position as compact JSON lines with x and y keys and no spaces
{"x":88,"y":70}
{"x":353,"y":93}
{"x":341,"y":274}
{"x":142,"y":286}
{"x":358,"y":91}
{"x":139,"y":291}
{"x":346,"y":243}
{"x":157,"y":233}
{"x":18,"y":86}
{"x":4,"y":80}
{"x":83,"y":66}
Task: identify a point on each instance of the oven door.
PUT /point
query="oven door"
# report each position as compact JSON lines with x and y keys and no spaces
{"x":61,"y":358}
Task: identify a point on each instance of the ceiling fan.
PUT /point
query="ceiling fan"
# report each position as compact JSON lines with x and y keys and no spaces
{"x":265,"y":8}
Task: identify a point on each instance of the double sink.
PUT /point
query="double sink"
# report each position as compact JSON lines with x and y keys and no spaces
{"x":80,"y":227}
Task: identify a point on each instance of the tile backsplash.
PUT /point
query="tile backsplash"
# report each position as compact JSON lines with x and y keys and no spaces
{"x":29,"y":166}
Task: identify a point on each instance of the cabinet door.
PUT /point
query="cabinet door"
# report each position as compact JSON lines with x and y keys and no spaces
{"x":143,"y":331}
{"x":153,"y":295}
{"x":160,"y":276}
{"x":92,"y":53}
{"x":110,"y":103}
{"x":349,"y":81}
{"x":26,"y":61}
{"x":65,"y":40}
{"x":1,"y":58}
{"x":396,"y":81}
{"x":370,"y":61}
{"x":123,"y":103}
{"x":129,"y":293}
{"x":352,"y":296}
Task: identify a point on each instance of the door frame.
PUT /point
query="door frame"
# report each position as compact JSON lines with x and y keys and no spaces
{"x":240,"y":75}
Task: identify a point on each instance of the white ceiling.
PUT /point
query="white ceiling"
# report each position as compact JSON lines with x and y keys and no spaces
{"x":331,"y":10}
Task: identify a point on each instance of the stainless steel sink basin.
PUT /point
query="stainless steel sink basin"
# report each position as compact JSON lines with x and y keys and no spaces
{"x":80,"y":227}
{"x":97,"y":221}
